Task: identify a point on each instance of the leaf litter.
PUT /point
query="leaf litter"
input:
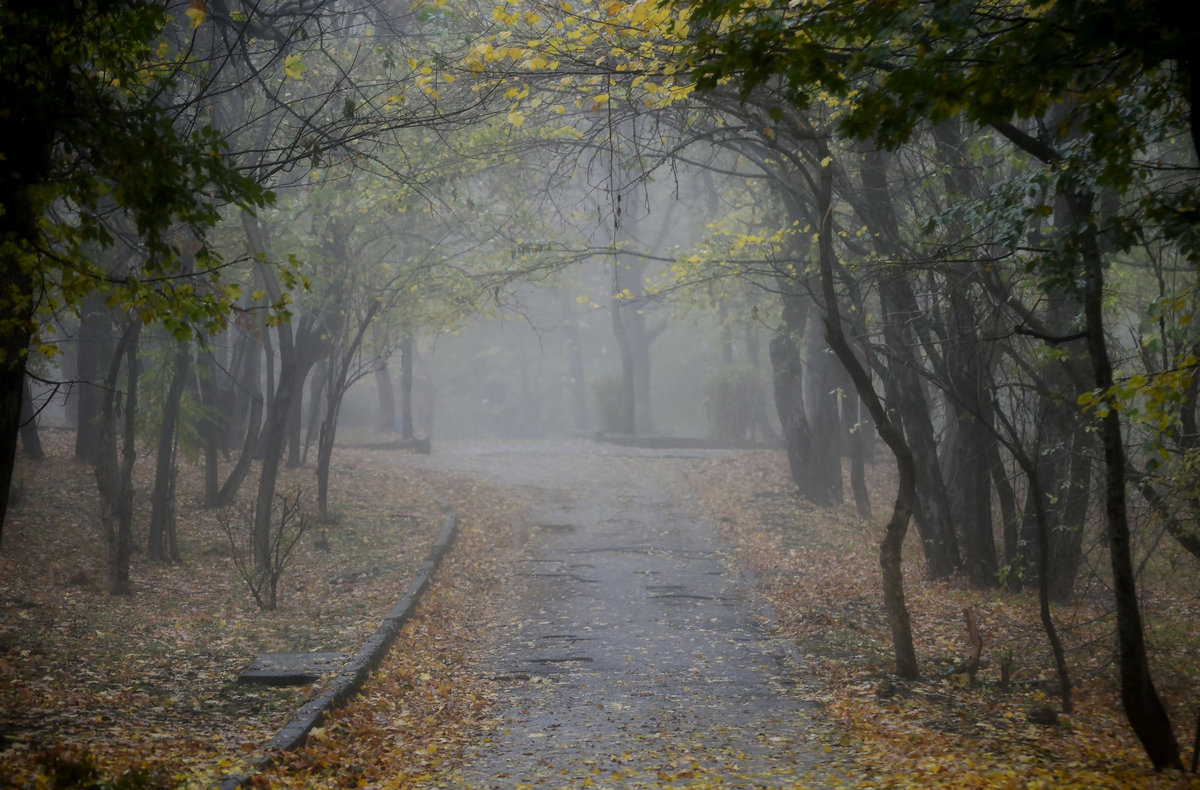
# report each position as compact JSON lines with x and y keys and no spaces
{"x":143,"y":687}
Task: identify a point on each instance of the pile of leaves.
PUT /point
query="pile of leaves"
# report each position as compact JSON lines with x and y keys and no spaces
{"x":145,"y":687}
{"x":819,"y":569}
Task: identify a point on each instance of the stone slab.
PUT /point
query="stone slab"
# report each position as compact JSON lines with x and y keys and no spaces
{"x":291,"y":669}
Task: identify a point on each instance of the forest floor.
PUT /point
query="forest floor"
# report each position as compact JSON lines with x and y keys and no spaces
{"x":142,"y":690}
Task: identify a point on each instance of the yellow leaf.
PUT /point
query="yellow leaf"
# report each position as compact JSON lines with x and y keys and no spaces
{"x":516,"y":118}
{"x":196,"y":15}
{"x":292,"y":67}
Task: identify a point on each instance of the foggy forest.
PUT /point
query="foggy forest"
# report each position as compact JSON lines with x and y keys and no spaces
{"x":886,"y":305}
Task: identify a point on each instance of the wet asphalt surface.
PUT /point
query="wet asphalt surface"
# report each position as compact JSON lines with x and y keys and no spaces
{"x":634,"y":654}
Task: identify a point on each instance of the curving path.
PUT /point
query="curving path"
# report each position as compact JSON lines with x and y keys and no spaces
{"x":634,"y":654}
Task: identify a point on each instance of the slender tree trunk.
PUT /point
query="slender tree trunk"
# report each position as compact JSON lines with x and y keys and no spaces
{"x":339,"y":372}
{"x":407,"y":349}
{"x":891,"y":547}
{"x":1007,"y":499}
{"x":294,"y":426}
{"x":271,"y":447}
{"x":854,"y":430}
{"x":115,"y":477}
{"x":899,"y":311}
{"x":1143,"y":707}
{"x":211,"y":424}
{"x":95,"y":324}
{"x":823,"y":396}
{"x":578,"y":376}
{"x":162,"y":511}
{"x":788,"y":382}
{"x":387,"y":398}
{"x":628,"y":411}
{"x":251,"y":359}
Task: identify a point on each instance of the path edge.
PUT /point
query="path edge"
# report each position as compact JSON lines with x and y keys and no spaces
{"x":345,"y":685}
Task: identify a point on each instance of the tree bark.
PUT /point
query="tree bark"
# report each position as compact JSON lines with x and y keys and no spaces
{"x":114,"y":477}
{"x":162,"y":512}
{"x":407,"y":348}
{"x":900,"y":310}
{"x":891,"y":547}
{"x":31,"y":442}
{"x":250,"y":364}
{"x":387,"y":398}
{"x":12,"y":379}
{"x":1143,"y":707}
{"x":788,"y":384}
{"x":95,"y":323}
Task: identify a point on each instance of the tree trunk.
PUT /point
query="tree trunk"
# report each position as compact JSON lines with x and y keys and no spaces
{"x":578,"y":378}
{"x":12,"y":380}
{"x":788,"y":382}
{"x":891,"y":547}
{"x":1145,"y":711}
{"x":162,"y":511}
{"x":407,"y":347}
{"x":824,"y":395}
{"x":628,"y":411}
{"x":211,"y":424}
{"x":250,"y":362}
{"x":115,"y":478}
{"x":295,"y":419}
{"x":854,"y":428}
{"x":387,"y":398}
{"x":31,"y":443}
{"x":271,"y":447}
{"x":1007,"y":499}
{"x":95,"y":324}
{"x":339,"y":373}
{"x":906,"y":388}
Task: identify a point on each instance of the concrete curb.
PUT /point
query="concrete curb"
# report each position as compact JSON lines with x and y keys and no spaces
{"x":359,"y":667}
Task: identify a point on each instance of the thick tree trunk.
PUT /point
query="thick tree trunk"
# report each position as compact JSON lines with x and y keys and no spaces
{"x":31,"y":442}
{"x":12,"y":381}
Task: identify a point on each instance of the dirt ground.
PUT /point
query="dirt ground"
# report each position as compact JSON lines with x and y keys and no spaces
{"x":566,"y":564}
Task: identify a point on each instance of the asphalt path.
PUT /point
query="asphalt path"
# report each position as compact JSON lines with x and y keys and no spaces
{"x":632,"y":653}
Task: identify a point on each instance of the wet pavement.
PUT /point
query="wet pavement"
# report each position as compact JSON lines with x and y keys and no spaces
{"x":633,"y":654}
